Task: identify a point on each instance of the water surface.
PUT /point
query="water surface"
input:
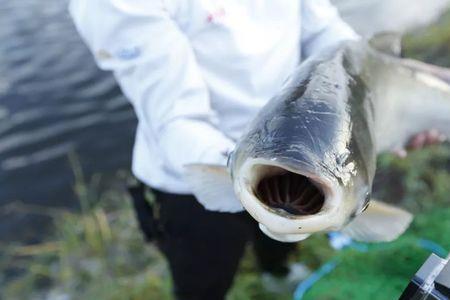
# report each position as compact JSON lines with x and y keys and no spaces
{"x":53,"y":101}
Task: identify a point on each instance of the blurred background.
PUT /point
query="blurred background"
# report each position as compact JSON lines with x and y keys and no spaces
{"x":66,"y":133}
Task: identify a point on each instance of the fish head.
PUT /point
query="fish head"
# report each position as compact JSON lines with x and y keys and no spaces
{"x":307,"y":162}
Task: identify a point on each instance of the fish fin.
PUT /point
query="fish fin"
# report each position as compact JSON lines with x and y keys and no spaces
{"x":387,"y":42}
{"x":212,"y":186}
{"x":379,"y":223}
{"x":437,"y":71}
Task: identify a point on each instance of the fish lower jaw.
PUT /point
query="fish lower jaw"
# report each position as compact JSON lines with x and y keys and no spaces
{"x":285,"y":238}
{"x":316,"y":208}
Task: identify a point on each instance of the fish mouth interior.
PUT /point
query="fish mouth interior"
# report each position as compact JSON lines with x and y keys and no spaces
{"x":287,"y":191}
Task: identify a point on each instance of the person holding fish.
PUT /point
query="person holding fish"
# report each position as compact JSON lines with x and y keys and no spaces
{"x":197,"y":72}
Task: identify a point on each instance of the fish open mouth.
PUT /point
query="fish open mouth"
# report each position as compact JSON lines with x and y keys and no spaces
{"x":294,"y":193}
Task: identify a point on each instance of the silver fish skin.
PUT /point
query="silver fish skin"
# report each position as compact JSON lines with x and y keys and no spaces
{"x":308,"y":160}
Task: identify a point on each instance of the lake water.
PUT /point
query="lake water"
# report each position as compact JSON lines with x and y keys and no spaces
{"x":53,"y":101}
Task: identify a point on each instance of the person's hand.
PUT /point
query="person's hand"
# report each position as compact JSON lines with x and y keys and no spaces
{"x":427,"y":138}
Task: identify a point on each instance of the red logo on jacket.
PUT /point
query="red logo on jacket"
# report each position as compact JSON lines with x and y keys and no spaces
{"x":216,"y":15}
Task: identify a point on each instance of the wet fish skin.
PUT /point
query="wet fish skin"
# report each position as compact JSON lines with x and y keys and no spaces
{"x":329,"y":123}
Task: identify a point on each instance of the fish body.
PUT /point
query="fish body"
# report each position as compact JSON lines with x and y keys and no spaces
{"x":307,"y":161}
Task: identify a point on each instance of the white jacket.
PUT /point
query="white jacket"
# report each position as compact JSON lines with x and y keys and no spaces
{"x":197,"y":71}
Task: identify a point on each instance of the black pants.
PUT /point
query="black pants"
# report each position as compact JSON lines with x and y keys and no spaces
{"x":204,"y":248}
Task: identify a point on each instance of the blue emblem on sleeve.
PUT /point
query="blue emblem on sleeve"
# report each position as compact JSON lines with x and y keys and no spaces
{"x":129,"y":53}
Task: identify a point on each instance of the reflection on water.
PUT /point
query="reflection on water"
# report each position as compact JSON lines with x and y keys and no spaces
{"x":53,"y":100}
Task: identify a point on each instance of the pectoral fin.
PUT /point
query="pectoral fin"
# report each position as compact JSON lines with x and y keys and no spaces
{"x":212,"y":186}
{"x":379,"y":223}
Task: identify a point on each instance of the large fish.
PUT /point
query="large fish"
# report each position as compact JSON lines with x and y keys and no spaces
{"x":306,"y":163}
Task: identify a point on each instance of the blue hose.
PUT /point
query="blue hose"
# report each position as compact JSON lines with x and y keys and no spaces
{"x":432,"y":246}
{"x":308,"y":283}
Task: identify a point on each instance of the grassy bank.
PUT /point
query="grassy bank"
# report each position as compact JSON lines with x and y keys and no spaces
{"x":431,"y":44}
{"x":98,"y":253}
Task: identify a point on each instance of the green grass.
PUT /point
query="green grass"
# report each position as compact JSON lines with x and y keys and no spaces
{"x":95,"y":254}
{"x":431,"y":44}
{"x":98,"y":253}
{"x":383,"y":272}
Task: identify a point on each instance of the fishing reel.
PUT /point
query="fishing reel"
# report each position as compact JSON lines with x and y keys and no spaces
{"x":431,"y":282}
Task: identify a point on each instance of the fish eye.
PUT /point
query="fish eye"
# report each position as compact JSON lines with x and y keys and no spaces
{"x":366,"y":202}
{"x":366,"y":206}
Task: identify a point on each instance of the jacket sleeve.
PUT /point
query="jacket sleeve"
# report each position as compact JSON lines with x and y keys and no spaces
{"x":156,"y":68}
{"x":322,"y":27}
